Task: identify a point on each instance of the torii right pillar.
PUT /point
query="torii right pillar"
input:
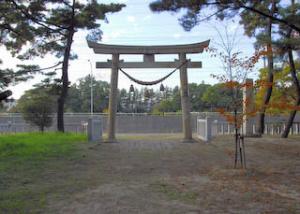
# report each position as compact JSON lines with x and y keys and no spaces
{"x":185,"y":101}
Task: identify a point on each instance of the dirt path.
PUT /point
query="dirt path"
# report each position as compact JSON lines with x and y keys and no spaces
{"x":166,"y":176}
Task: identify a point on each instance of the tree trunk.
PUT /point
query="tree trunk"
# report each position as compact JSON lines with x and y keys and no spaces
{"x":65,"y":78}
{"x":267,"y":97}
{"x":261,"y":117}
{"x":65,"y":83}
{"x":4,"y":95}
{"x":293,"y":113}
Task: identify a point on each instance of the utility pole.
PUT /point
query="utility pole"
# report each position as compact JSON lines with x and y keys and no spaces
{"x":92,"y":96}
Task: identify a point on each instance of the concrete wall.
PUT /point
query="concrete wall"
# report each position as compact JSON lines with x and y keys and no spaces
{"x":126,"y":123}
{"x":152,"y":123}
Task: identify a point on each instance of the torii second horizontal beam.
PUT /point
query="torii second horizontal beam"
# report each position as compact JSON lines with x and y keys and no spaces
{"x":175,"y":64}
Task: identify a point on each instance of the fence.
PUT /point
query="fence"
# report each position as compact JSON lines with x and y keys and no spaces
{"x":209,"y":127}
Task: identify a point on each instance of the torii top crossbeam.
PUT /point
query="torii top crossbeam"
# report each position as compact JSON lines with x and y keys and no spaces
{"x":156,"y":49}
{"x":148,"y":52}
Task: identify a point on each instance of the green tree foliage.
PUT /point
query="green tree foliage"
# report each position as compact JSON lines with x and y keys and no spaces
{"x":37,"y":108}
{"x":283,"y":90}
{"x":219,"y":96}
{"x":79,"y":99}
{"x":166,"y":106}
{"x":15,"y":29}
{"x":15,"y":32}
{"x":196,"y":92}
{"x":203,"y":97}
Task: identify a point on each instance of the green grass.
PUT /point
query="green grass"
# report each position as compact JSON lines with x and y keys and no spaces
{"x":29,"y":145}
{"x":24,"y":158}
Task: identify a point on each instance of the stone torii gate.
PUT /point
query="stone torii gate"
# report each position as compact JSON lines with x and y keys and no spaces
{"x":149,"y":53}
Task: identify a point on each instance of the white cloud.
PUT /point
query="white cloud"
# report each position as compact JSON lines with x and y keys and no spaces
{"x":108,"y":37}
{"x":121,"y":1}
{"x":148,"y":17}
{"x":105,"y":38}
{"x":177,"y":35}
{"x":233,"y":27}
{"x":131,"y":19}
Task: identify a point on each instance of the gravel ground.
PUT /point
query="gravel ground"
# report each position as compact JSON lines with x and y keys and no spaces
{"x":159,"y":174}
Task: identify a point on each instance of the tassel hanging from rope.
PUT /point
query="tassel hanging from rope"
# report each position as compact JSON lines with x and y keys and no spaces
{"x":140,"y":82}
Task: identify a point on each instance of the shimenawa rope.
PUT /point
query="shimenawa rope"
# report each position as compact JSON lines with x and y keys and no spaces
{"x":140,"y":82}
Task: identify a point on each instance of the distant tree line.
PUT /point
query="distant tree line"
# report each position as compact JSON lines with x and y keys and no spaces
{"x":204,"y":97}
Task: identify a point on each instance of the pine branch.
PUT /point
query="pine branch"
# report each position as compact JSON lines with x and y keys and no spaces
{"x":211,"y":15}
{"x":274,"y":18}
{"x":233,"y":5}
{"x":35,"y":20}
{"x":9,"y":28}
{"x":46,"y":68}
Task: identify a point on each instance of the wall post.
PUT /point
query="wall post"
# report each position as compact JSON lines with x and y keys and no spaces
{"x":248,"y":108}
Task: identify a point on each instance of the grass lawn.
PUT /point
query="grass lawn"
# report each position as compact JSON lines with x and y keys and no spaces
{"x":24,"y":157}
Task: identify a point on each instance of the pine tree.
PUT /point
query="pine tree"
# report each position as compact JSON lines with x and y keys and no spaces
{"x":289,"y":42}
{"x":222,"y":9}
{"x":257,"y":17}
{"x":252,"y":23}
{"x":55,"y":24}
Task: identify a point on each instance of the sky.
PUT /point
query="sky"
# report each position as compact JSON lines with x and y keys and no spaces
{"x":137,"y":25}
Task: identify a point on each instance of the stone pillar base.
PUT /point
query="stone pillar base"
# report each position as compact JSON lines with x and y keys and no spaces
{"x":111,"y":141}
{"x":252,"y":135}
{"x":94,"y":130}
{"x":188,"y":141}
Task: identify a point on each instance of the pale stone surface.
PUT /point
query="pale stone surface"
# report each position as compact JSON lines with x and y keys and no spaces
{"x":149,"y":62}
{"x":94,"y":130}
{"x":153,"y":49}
{"x":185,"y":101}
{"x":248,"y":107}
{"x":113,"y":99}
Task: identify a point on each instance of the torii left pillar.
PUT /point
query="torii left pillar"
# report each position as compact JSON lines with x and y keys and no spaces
{"x":112,"y":108}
